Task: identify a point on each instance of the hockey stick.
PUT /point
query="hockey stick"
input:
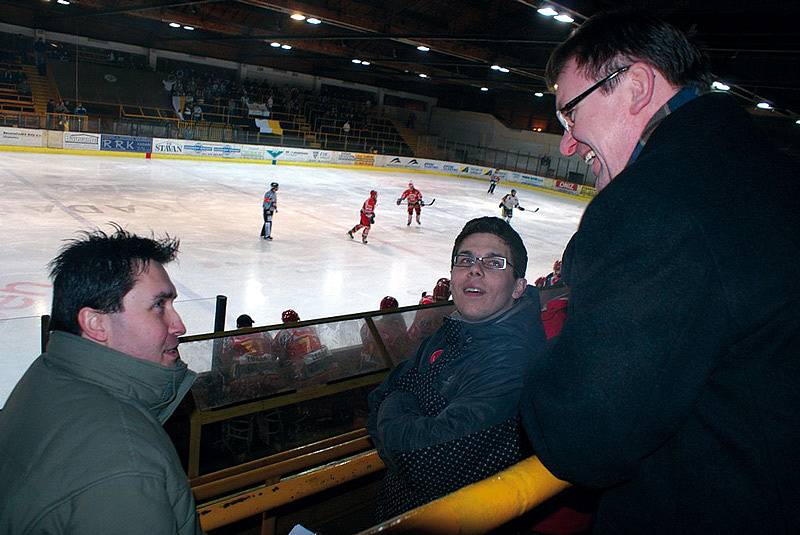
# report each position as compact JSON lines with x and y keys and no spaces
{"x":429,"y":203}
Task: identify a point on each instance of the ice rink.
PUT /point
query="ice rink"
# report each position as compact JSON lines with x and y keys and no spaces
{"x":215,"y":210}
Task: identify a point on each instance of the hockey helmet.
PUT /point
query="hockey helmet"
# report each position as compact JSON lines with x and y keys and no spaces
{"x":513,"y":192}
{"x":389,"y":302}
{"x":441,"y":292}
{"x":274,"y":185}
{"x":411,"y":185}
{"x":289,"y":316}
{"x":244,"y":321}
{"x":373,"y":194}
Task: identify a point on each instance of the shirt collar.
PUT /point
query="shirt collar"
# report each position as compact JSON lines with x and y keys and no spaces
{"x":687,"y":94}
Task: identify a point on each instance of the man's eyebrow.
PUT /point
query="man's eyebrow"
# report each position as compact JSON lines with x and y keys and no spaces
{"x":487,"y":255}
{"x":165,"y":295}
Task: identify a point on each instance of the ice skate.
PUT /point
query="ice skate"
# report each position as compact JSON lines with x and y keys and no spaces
{"x":363,"y":240}
{"x":268,"y":238}
{"x":350,"y":233}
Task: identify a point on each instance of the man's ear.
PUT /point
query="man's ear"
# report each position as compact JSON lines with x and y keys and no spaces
{"x":642,"y":79}
{"x":519,"y":288}
{"x":93,"y":324}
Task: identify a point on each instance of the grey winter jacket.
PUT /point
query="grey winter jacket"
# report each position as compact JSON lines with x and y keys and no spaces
{"x":83,"y":450}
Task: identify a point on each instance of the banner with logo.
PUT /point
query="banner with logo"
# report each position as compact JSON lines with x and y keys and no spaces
{"x":568,"y":187}
{"x":345,"y":158}
{"x":80,"y":141}
{"x":367,"y":160}
{"x":21,"y":137}
{"x":117,"y":143}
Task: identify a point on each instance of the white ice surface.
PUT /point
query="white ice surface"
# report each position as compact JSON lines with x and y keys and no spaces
{"x":215,"y":210}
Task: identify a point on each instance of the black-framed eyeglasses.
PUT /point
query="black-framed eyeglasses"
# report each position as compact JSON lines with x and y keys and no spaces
{"x":494,"y":263}
{"x":564,"y":113}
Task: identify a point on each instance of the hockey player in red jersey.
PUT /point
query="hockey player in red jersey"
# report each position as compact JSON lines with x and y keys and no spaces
{"x":392,"y":330}
{"x":428,"y":320}
{"x":300,"y":347}
{"x":367,"y":216}
{"x":413,"y":197}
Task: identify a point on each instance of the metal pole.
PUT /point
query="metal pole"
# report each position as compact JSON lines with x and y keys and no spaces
{"x":45,"y":333}
{"x":219,"y":314}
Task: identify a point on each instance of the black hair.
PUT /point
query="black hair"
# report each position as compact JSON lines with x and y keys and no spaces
{"x":244,"y":321}
{"x":98,"y":269}
{"x":504,"y":231}
{"x":609,"y":41}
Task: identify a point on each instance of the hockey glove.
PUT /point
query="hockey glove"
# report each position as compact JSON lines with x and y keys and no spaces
{"x":372,"y":220}
{"x":399,"y":201}
{"x":500,"y":205}
{"x":520,"y":208}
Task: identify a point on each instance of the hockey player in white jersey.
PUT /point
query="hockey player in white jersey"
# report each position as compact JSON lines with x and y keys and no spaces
{"x":508,"y":203}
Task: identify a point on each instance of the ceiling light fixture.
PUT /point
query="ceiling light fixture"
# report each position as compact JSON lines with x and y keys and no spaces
{"x":63,"y":2}
{"x":495,"y":67}
{"x":503,"y":69}
{"x":423,"y":75}
{"x":365,"y":63}
{"x":275,"y":44}
{"x":286,"y":47}
{"x":484,"y":89}
{"x":764,"y":106}
{"x":356,"y":60}
{"x":538,"y":94}
{"x":174,"y":25}
{"x":547,"y":11}
{"x":313,"y":20}
{"x":564,"y":18}
{"x":297,"y":16}
{"x":190,"y":28}
{"x":719,"y":86}
{"x":423,"y":48}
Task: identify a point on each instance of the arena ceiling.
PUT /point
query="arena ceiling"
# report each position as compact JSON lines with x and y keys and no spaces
{"x":753,"y":46}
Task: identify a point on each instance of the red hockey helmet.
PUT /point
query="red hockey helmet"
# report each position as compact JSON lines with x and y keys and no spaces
{"x":373,"y":194}
{"x":389,"y":302}
{"x":289,"y":316}
{"x":411,"y":185}
{"x":441,"y":292}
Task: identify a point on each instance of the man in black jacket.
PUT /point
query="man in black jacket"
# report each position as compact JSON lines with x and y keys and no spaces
{"x":678,"y":395}
{"x":449,"y":416}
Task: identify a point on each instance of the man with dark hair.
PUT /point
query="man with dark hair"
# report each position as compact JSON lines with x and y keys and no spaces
{"x":449,"y":416}
{"x":678,"y":396}
{"x":80,"y":437}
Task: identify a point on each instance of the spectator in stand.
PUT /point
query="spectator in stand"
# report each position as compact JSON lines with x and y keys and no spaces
{"x":449,"y":416}
{"x":675,"y":384}
{"x":346,"y":128}
{"x":81,"y":439}
{"x":79,"y":109}
{"x":51,"y":106}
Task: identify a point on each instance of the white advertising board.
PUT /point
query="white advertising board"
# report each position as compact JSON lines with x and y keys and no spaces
{"x":22,"y":137}
{"x":81,"y":141}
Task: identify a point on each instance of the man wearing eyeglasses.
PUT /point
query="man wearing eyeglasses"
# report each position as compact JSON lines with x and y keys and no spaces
{"x":449,"y":416}
{"x":679,"y":396}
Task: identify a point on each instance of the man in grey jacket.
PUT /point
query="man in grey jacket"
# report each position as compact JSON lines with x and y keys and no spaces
{"x":81,"y":442}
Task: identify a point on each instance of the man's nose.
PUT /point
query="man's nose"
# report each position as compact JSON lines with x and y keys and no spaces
{"x":568,"y":144}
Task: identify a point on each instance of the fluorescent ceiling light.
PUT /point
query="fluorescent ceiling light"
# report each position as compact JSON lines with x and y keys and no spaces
{"x":538,"y":94}
{"x":423,"y":48}
{"x":365,"y":62}
{"x":174,"y":25}
{"x":484,"y":89}
{"x":286,"y":47}
{"x":719,"y":86}
{"x":356,"y":60}
{"x":564,"y":18}
{"x":547,"y":12}
{"x":503,"y":69}
{"x":190,"y":28}
{"x":275,"y":44}
{"x":495,"y":67}
{"x":423,"y":75}
{"x":297,"y":16}
{"x":797,"y":121}
{"x":63,"y":2}
{"x":764,"y":105}
{"x":313,"y":20}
